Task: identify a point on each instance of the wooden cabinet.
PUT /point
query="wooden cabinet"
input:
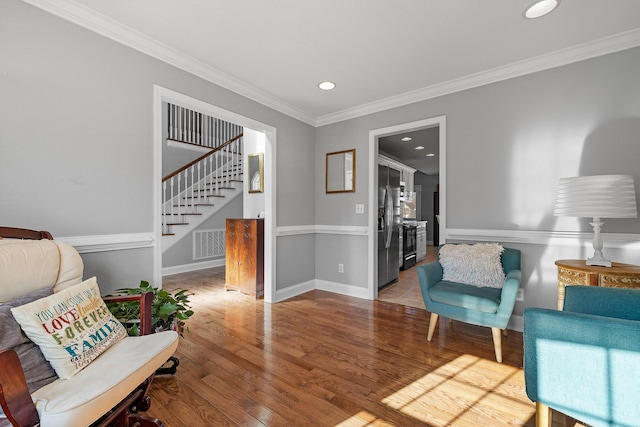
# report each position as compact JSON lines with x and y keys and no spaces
{"x":577,"y":272}
{"x":244,"y":270}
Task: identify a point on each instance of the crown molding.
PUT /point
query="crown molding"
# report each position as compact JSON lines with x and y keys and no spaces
{"x":85,"y":17}
{"x":581,"y":52}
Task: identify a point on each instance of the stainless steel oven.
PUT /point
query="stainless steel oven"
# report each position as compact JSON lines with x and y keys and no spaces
{"x":409,"y":239}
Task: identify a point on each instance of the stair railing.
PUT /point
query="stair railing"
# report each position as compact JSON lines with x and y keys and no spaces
{"x":191,"y":127}
{"x":199,"y":182}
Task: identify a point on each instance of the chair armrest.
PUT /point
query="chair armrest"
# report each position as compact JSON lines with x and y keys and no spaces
{"x":15,"y":398}
{"x":508,"y":297}
{"x":24,"y":233}
{"x":146,"y":302}
{"x":430,"y":274}
{"x":609,"y":302}
{"x":511,"y":285}
{"x":583,"y":365}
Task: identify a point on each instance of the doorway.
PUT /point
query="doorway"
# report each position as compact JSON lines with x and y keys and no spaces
{"x":374,"y":136}
{"x":267,"y":135}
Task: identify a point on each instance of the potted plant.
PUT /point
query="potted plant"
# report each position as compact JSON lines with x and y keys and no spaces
{"x":168,"y":311}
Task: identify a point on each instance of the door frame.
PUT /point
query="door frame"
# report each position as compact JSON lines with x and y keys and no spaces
{"x":374,"y":135}
{"x":160,"y":95}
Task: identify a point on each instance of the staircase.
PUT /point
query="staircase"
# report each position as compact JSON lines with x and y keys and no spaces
{"x":199,"y":189}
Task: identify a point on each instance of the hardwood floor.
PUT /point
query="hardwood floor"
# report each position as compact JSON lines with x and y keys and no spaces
{"x":322,"y":359}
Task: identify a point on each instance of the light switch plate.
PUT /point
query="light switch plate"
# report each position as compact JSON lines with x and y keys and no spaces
{"x":359,"y":208}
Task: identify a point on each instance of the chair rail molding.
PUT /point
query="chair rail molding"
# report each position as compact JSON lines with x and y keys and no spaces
{"x":109,"y":242}
{"x":293,"y":230}
{"x":553,"y":238}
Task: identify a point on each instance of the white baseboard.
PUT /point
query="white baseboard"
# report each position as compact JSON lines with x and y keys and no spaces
{"x":295,"y":290}
{"x":168,"y":271}
{"x":341,"y":288}
{"x":321,"y":285}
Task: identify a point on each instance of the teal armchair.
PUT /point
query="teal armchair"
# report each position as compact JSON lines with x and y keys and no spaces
{"x":483,"y":306}
{"x":585,"y":361}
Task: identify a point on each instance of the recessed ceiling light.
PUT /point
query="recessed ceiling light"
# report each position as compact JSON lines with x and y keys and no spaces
{"x":431,"y":155}
{"x":540,"y":8}
{"x":406,"y":138}
{"x":419,"y":147}
{"x":327,"y":85}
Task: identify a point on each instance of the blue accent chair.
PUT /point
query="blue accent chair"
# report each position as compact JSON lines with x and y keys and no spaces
{"x":585,"y":361}
{"x":481,"y":306}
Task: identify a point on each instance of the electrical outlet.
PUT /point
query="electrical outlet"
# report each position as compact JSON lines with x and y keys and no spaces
{"x":520,"y":296}
{"x":340,"y":268}
{"x":359,"y":208}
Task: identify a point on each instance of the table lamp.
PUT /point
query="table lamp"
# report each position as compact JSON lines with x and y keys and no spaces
{"x":597,"y":197}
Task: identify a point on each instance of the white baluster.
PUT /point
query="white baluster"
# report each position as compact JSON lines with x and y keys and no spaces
{"x":205,"y":126}
{"x":238,"y":158}
{"x":188,"y":125}
{"x":184,"y":124}
{"x":179,"y":216}
{"x":220,"y":171}
{"x":200,"y":181}
{"x":171,"y":185}
{"x":192,"y":128}
{"x":212,"y":174}
{"x":179,"y":111}
{"x":164,"y":207}
{"x":189,"y":201}
{"x":168,"y":120}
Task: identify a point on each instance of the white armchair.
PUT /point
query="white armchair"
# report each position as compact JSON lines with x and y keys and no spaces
{"x":109,"y":391}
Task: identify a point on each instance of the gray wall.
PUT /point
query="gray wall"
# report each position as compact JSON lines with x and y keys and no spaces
{"x":429,"y":185}
{"x":507,"y":145}
{"x":77,"y":134}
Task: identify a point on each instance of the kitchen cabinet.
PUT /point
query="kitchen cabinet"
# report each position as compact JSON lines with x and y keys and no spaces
{"x":406,"y":176}
{"x":406,"y":172}
{"x":244,"y":256}
{"x":421,"y":240}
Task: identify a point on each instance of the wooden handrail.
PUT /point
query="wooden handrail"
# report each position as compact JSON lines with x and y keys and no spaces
{"x":188,"y":165}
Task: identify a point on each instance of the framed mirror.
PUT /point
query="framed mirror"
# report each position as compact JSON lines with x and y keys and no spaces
{"x":256,"y":173}
{"x":341,"y":172}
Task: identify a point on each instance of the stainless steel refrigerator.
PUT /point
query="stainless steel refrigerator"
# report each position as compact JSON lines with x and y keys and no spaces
{"x":389,"y":225}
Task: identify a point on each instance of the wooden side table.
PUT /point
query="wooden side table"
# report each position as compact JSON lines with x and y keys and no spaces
{"x":577,"y":272}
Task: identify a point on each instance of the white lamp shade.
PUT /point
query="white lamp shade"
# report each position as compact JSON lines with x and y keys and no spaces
{"x":597,"y":196}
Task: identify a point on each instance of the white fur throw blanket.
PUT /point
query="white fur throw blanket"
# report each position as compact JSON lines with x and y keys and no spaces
{"x":477,"y":265}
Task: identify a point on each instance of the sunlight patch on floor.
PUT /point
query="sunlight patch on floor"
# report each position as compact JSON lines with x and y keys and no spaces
{"x":466,"y":381}
{"x":362,"y":418}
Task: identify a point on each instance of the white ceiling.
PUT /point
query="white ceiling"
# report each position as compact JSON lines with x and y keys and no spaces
{"x":378,"y":52}
{"x":406,"y":152}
